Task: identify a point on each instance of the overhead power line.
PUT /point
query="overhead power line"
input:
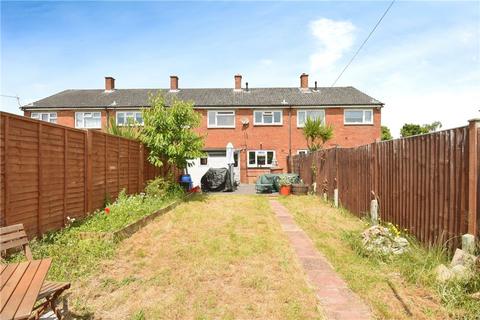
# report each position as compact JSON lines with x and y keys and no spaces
{"x":363,"y":43}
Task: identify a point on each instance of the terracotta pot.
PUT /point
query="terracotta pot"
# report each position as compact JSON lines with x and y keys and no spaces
{"x":285,"y":190}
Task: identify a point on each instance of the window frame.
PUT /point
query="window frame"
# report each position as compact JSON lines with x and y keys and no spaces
{"x":84,"y":127}
{"x":40,"y":114}
{"x":306,"y":110}
{"x":266,"y":165}
{"x":300,"y":151}
{"x":215,"y":126}
{"x":363,"y":123}
{"x":255,"y":123}
{"x":135,"y":112}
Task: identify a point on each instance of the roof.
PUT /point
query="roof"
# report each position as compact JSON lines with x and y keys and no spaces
{"x":209,"y":97}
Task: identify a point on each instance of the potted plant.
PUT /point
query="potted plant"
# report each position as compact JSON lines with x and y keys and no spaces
{"x":299,"y":188}
{"x":285,"y":183}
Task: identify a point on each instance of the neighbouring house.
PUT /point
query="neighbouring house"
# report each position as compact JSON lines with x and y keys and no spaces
{"x":264,"y":124}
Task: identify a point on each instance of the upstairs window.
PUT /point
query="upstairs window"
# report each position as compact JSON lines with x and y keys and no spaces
{"x":221,"y":119}
{"x":267,"y":118}
{"x":358,"y":116}
{"x":303,"y":115}
{"x":129,"y":118}
{"x":45,"y":116}
{"x":260,"y":158}
{"x":88,"y":120}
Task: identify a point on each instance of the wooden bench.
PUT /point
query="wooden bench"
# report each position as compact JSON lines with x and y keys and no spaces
{"x":12,"y":237}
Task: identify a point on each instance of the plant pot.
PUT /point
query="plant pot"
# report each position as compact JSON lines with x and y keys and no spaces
{"x":285,"y":190}
{"x":299,"y":189}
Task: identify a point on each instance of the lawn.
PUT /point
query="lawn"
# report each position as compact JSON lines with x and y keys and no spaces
{"x":215,"y":257}
{"x":335,"y":233}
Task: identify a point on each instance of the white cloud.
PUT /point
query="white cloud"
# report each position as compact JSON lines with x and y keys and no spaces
{"x":266,"y":62}
{"x":334,"y":39}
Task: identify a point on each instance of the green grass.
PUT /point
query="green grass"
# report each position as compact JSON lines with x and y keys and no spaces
{"x":212,"y":257}
{"x":75,"y":257}
{"x":337,"y":234}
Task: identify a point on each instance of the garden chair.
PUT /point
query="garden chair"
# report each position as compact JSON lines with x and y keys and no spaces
{"x":14,"y":236}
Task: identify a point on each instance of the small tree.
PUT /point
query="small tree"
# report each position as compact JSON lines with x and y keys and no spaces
{"x":386,"y":134}
{"x":169,"y":132}
{"x":410,"y":129}
{"x":316,"y":133}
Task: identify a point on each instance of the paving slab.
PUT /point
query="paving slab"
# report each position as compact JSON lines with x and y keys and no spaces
{"x":337,"y":300}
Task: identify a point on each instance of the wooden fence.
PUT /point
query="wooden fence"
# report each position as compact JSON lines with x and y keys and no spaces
{"x":50,"y":172}
{"x":427,"y":184}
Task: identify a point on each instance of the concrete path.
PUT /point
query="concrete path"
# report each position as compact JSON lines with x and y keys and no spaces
{"x":337,"y":300}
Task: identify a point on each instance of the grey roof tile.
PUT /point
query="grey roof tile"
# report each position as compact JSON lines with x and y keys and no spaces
{"x":207,"y":97}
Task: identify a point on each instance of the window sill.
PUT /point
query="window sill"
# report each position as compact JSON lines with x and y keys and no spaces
{"x":267,"y":125}
{"x":220,"y":127}
{"x":358,"y":124}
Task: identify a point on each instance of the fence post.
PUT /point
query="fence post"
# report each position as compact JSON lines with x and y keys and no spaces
{"x":141,"y":168}
{"x":335,"y":181}
{"x":468,"y":240}
{"x":89,"y":173}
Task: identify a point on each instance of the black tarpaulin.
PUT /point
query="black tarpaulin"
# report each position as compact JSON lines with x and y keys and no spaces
{"x":216,"y":179}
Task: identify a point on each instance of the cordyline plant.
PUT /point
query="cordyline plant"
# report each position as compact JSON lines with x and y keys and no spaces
{"x":168,"y":132}
{"x":316,"y":134}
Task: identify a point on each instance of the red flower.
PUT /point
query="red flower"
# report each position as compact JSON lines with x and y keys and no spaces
{"x":107,"y":210}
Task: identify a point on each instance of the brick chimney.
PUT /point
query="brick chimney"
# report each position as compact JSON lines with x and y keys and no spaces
{"x":238,"y":82}
{"x":109,"y":84}
{"x":304,"y":81}
{"x":173,"y":83}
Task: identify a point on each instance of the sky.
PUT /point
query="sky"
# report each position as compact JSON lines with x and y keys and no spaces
{"x":423,"y":61}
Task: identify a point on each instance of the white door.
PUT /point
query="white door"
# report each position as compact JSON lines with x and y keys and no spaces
{"x":214,"y":159}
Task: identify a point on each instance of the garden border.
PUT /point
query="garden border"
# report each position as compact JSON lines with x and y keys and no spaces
{"x":133,"y":227}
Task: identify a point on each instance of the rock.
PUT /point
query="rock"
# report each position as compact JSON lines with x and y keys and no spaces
{"x":443,"y":273}
{"x":475,"y":295}
{"x":461,"y":272}
{"x":463,"y":258}
{"x":380,"y":240}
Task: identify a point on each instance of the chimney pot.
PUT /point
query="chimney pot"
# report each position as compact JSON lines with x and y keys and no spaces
{"x":173,"y":83}
{"x":238,"y":82}
{"x":109,"y":84}
{"x":304,"y":81}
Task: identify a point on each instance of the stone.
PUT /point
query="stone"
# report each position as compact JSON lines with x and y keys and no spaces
{"x":475,"y":295}
{"x":461,"y":272}
{"x":468,"y":243}
{"x":443,"y":273}
{"x":463,"y":258}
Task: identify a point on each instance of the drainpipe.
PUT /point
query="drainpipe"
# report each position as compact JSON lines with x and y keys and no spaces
{"x":289,"y":132}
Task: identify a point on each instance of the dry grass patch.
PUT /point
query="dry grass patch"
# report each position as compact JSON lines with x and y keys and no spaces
{"x":330,"y":228}
{"x":216,"y":257}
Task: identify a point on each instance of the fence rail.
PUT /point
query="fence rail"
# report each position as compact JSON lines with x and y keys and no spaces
{"x":427,"y":184}
{"x":50,"y":172}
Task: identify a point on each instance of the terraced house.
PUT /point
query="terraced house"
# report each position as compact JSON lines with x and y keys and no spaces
{"x":264,"y":124}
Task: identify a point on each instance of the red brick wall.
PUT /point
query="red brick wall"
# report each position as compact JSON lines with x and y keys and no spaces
{"x":276,"y":138}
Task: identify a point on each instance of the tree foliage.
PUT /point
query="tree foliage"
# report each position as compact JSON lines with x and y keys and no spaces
{"x":169,"y":133}
{"x":410,"y":129}
{"x":386,"y":134}
{"x":316,"y":133}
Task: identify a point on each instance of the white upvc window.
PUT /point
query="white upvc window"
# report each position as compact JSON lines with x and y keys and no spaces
{"x":45,"y":116}
{"x":314,"y":114}
{"x":88,"y":120}
{"x":302,"y":152}
{"x":267,"y":117}
{"x":260,"y":158}
{"x":358,"y":116}
{"x":221,"y":119}
{"x":129,"y":117}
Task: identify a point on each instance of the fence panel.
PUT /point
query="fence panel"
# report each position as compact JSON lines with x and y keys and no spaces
{"x":421,"y":182}
{"x":50,"y":172}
